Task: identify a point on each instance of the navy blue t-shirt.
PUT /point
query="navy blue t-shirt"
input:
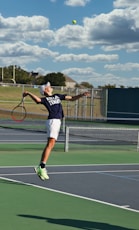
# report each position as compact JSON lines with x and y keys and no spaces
{"x":53,"y":105}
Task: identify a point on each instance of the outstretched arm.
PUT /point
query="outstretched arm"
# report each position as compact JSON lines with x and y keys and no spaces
{"x":32,"y":96}
{"x":76,"y":97}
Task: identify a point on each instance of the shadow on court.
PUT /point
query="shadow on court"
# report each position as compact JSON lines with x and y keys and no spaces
{"x":80,"y":224}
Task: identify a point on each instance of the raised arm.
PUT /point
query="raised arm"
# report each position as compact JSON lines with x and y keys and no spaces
{"x":32,"y":96}
{"x":76,"y":97}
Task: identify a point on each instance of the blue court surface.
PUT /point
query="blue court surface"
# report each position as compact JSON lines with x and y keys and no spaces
{"x":115,"y":185}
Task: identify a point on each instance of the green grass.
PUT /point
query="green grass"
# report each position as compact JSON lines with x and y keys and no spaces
{"x":11,"y":96}
{"x":14,"y":93}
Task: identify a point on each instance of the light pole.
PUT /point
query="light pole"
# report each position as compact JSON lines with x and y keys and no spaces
{"x":13,"y":79}
{"x":13,"y":72}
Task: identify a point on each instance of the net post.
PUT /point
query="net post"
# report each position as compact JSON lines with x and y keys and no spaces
{"x":66,"y":148}
{"x":63,"y":125}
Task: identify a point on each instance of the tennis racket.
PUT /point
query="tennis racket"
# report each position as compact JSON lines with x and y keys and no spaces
{"x":19,"y":112}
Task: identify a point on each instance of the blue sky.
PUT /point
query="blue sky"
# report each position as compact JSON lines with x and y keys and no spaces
{"x":102,"y":48}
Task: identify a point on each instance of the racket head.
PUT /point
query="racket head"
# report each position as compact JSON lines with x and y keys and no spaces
{"x":19,"y":113}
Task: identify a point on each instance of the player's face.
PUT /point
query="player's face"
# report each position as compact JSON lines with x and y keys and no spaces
{"x":48,"y":90}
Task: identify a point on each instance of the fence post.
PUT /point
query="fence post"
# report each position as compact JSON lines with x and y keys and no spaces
{"x":67,"y":140}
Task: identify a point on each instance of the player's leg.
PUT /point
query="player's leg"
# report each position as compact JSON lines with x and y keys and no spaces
{"x":53,"y":128}
{"x":47,"y":150}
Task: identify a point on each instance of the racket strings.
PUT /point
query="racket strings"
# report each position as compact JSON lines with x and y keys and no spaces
{"x":19,"y":113}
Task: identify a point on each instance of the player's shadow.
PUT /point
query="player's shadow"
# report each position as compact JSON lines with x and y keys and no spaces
{"x":80,"y":224}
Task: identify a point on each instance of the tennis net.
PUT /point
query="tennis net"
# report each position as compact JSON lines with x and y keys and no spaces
{"x":104,"y":137}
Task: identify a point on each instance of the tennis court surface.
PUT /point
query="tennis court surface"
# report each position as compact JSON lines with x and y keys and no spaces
{"x":84,"y":195}
{"x":117,"y":185}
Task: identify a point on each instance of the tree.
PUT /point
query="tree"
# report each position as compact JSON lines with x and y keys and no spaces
{"x":122,"y":86}
{"x":56,"y":79}
{"x":109,"y":86}
{"x":86,"y":84}
{"x":22,"y":76}
{"x":15,"y":73}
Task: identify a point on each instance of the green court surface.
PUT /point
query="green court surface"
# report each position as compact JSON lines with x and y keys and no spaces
{"x":29,"y":154}
{"x":31,"y":208}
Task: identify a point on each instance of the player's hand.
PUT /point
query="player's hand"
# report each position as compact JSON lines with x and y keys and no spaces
{"x":25,"y":94}
{"x":87,"y":94}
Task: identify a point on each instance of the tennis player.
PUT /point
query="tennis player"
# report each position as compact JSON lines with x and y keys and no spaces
{"x":52,"y":102}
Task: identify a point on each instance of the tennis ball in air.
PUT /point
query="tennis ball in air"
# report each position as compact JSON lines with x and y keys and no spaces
{"x":74,"y":21}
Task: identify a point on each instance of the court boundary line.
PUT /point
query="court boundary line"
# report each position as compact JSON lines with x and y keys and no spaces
{"x":76,"y":165}
{"x":124,"y":207}
{"x":77,"y":172}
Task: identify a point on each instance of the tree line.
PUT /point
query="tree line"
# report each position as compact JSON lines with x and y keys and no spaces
{"x":15,"y":74}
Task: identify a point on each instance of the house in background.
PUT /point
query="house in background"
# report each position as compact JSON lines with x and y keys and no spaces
{"x":70,"y":83}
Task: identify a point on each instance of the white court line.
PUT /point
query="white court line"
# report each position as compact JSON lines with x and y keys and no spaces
{"x":71,"y":141}
{"x":72,"y":195}
{"x":21,"y":134}
{"x":30,"y":141}
{"x":73,"y":172}
{"x":76,"y":165}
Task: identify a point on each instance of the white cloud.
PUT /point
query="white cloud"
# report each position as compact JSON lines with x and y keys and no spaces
{"x":128,"y":47}
{"x":21,"y":52}
{"x":42,"y":71}
{"x":123,"y":67}
{"x":100,"y":79}
{"x":126,"y":3}
{"x":86,"y":58}
{"x":76,"y":2}
{"x":81,"y":71}
{"x":81,"y":74}
{"x":69,"y":36}
{"x":25,"y":28}
{"x":24,"y":23}
{"x":91,"y":76}
{"x":114,"y":31}
{"x":117,"y":27}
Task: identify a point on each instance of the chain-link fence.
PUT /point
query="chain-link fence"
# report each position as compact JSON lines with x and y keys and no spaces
{"x":86,"y":108}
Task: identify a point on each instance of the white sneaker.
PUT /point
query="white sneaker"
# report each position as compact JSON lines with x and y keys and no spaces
{"x":42,"y":173}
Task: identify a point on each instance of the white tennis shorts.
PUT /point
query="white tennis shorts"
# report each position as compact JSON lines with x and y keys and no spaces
{"x":53,"y":128}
